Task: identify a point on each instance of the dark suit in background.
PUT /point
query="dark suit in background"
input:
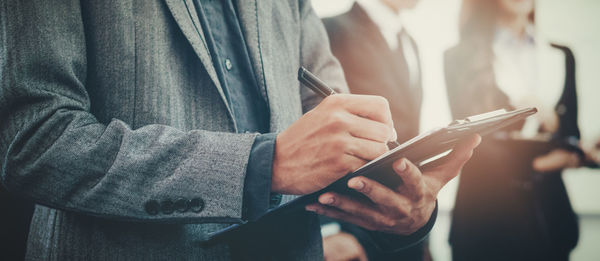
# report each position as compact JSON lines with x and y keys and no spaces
{"x":504,"y":209}
{"x":372,"y":68}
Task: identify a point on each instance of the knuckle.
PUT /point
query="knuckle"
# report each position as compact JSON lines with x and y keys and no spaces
{"x":388,"y":222}
{"x":357,"y":164}
{"x":385,"y":110}
{"x":414,"y":226}
{"x":384,"y":132}
{"x":353,"y":165}
{"x":382,"y":104}
{"x":331,"y":100}
{"x":381,"y":148}
{"x":382,"y":101}
{"x":411,"y":229}
{"x":419,"y":196}
{"x":343,"y":165}
{"x":340,"y":145}
{"x":338,"y":121}
{"x":340,"y":165}
{"x":420,"y":193}
{"x":390,"y":131}
{"x":403,"y":211}
{"x":335,"y":100}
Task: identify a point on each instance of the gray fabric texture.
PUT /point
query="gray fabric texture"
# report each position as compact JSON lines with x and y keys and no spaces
{"x":106,"y":105}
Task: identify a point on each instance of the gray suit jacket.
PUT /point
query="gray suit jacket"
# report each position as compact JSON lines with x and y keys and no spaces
{"x":107,"y":105}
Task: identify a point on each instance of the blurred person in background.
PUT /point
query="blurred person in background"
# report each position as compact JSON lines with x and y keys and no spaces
{"x":379,"y":57}
{"x":511,"y":202}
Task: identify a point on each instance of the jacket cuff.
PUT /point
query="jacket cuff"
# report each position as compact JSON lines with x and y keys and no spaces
{"x":257,"y":184}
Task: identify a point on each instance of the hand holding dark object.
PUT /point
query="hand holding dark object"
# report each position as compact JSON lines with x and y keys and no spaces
{"x":557,"y":159}
{"x":343,"y":247}
{"x":337,"y":137}
{"x":593,"y":155}
{"x":402,"y":210}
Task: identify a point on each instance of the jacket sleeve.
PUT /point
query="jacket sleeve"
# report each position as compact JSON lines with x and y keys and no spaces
{"x":567,"y":105}
{"x":55,"y":152}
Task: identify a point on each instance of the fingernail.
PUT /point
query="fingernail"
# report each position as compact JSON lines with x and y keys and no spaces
{"x":402,"y":166}
{"x":327,"y":200}
{"x":357,"y":184}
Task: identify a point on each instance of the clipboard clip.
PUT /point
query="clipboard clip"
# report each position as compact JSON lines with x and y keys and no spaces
{"x":478,"y":117}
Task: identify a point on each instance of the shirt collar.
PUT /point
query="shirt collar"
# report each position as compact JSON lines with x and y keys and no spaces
{"x":388,"y":21}
{"x":505,"y":37}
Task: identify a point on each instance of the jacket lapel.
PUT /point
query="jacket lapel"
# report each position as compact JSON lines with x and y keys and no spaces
{"x":254,"y":15}
{"x":256,"y":19}
{"x":186,"y":17}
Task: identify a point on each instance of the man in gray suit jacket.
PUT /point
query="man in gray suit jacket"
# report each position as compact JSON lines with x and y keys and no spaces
{"x":129,"y":123}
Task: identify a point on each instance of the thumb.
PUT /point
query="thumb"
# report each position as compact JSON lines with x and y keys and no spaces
{"x":448,"y":167}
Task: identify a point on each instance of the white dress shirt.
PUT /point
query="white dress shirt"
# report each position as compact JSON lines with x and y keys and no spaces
{"x":390,"y":25}
{"x":530,"y":72}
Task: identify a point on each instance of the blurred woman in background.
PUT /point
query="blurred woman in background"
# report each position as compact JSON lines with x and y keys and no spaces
{"x":511,"y":202}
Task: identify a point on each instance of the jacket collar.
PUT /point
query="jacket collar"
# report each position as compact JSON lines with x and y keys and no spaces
{"x":388,"y":22}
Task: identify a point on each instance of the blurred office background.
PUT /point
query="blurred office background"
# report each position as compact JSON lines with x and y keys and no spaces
{"x":575,"y":23}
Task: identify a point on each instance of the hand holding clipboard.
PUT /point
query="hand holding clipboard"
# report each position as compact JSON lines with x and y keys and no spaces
{"x":384,"y":169}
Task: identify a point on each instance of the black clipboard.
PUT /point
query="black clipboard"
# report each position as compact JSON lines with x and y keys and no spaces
{"x":418,"y":150}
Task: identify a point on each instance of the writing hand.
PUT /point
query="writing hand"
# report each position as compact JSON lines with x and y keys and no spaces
{"x":338,"y":136}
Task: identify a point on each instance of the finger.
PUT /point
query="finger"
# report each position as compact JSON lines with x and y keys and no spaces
{"x":348,"y":163}
{"x":411,"y":175}
{"x":363,"y":256}
{"x":353,"y":206}
{"x":342,"y":246}
{"x":371,"y":130}
{"x":555,"y":160}
{"x":379,"y":194}
{"x":340,"y":215}
{"x":366,"y":149}
{"x":548,"y":163}
{"x":373,"y":107}
{"x":450,"y":165}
